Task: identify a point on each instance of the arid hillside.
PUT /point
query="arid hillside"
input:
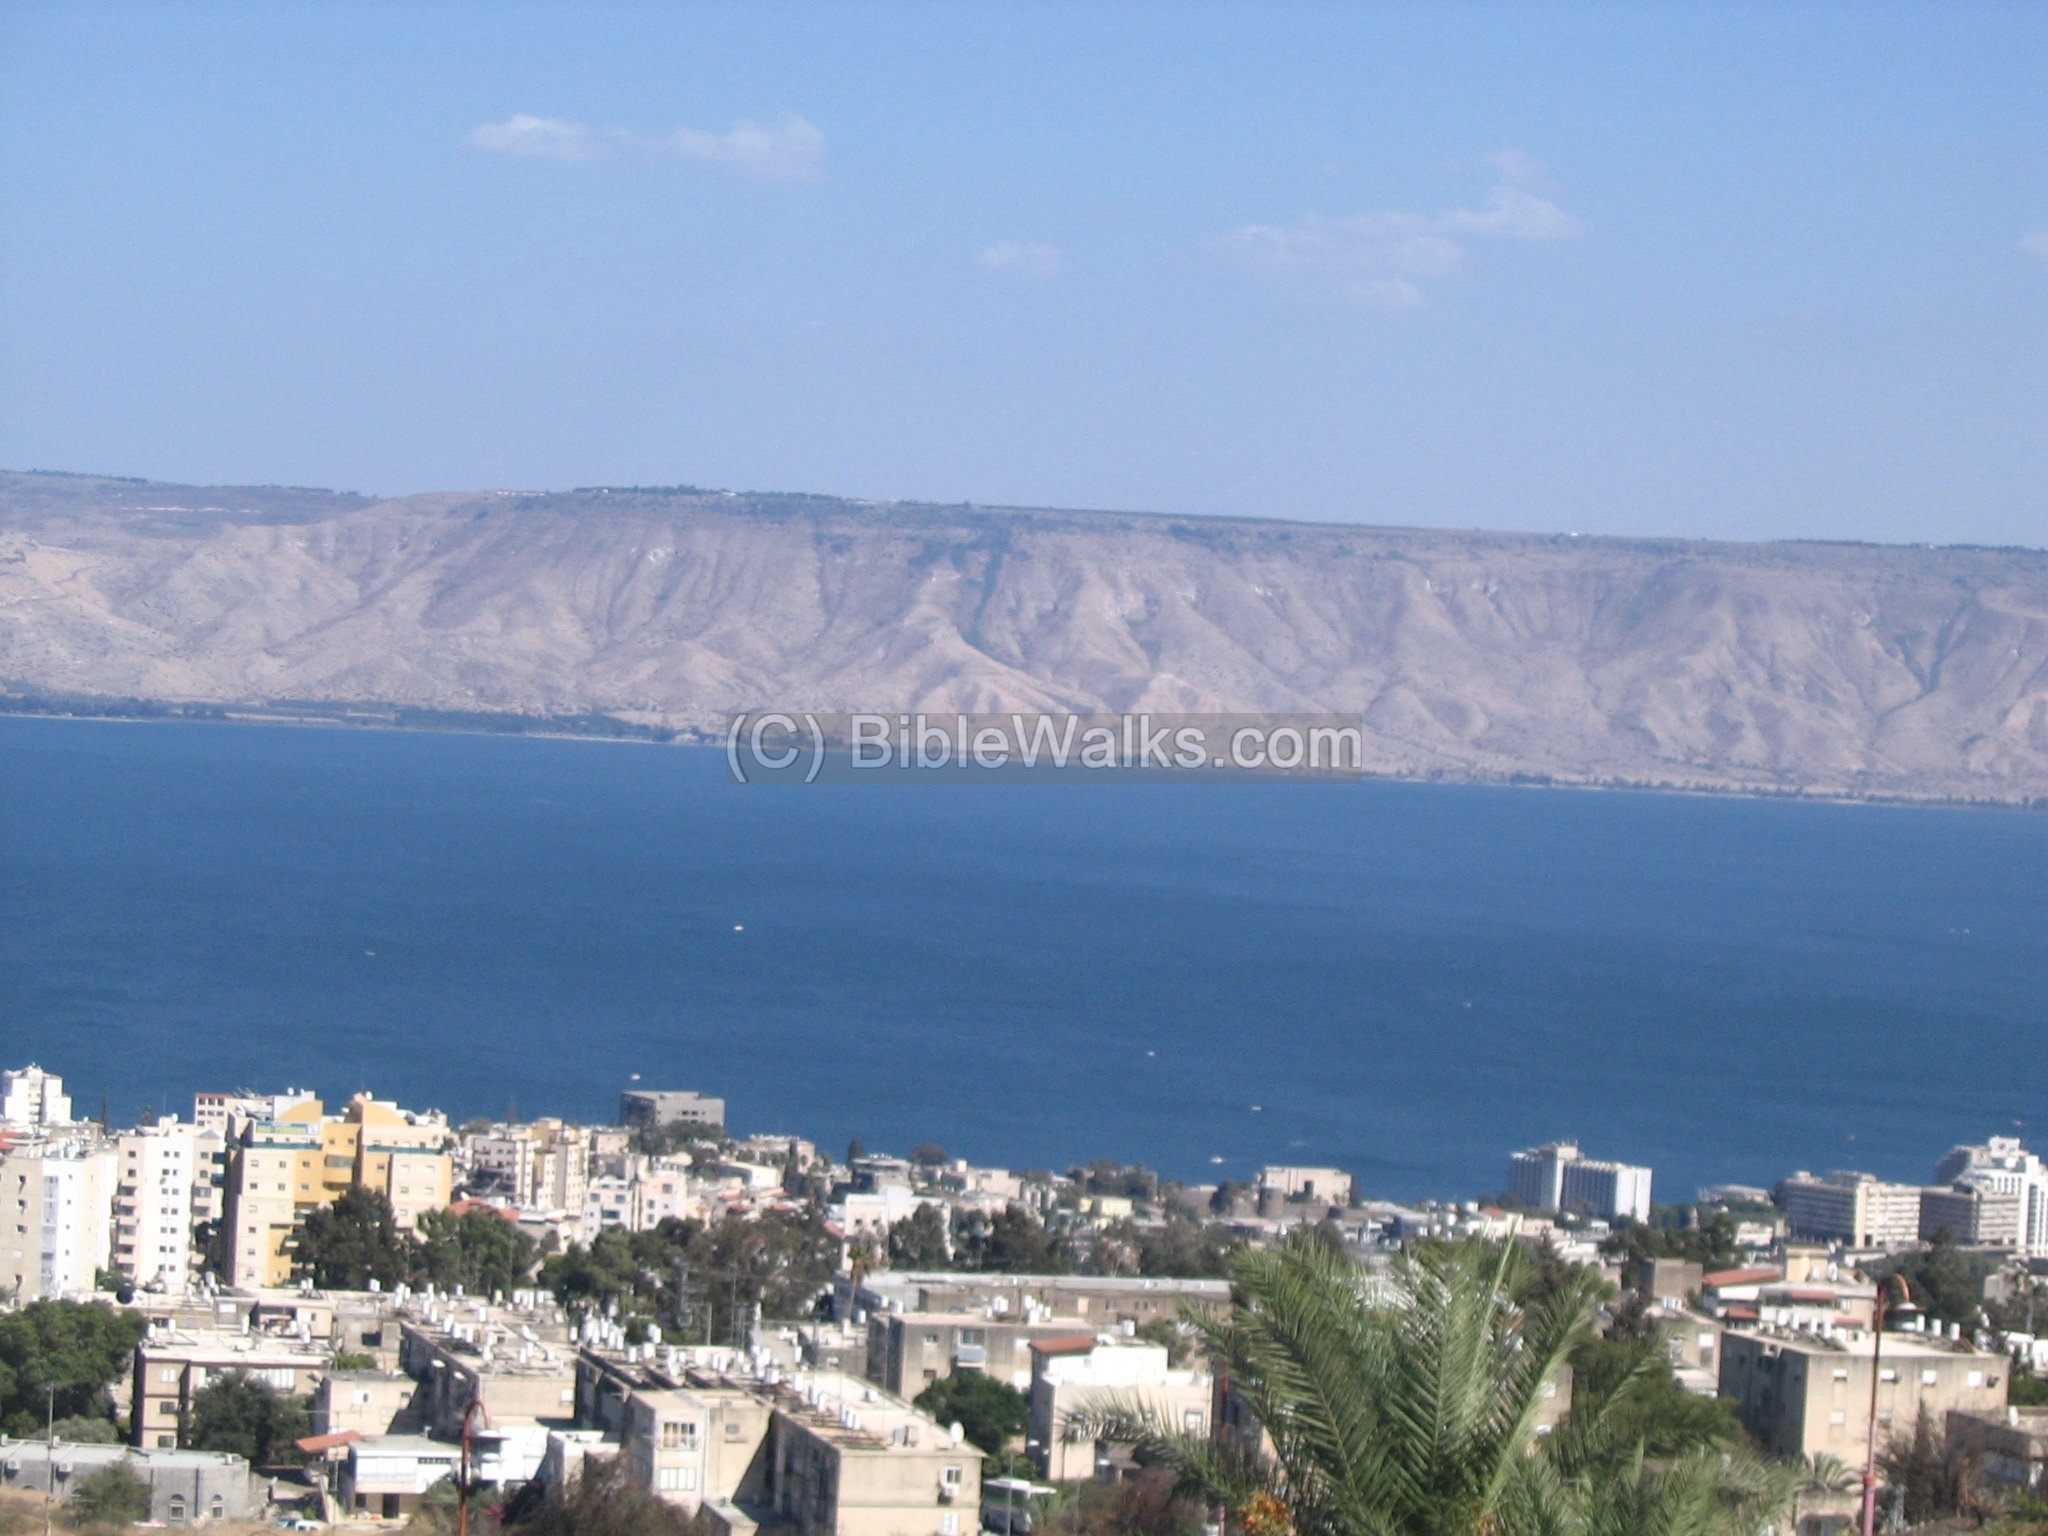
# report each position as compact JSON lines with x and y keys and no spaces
{"x":1840,"y":669}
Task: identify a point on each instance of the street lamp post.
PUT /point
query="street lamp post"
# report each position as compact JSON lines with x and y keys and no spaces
{"x":1884,"y":1286}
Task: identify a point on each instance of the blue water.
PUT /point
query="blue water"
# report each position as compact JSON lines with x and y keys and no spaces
{"x":1410,"y":981}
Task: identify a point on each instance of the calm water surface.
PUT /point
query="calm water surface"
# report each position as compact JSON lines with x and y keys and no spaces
{"x":1408,"y":981}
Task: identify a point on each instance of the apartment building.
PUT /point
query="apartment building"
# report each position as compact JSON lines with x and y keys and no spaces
{"x":1099,"y":1301}
{"x":1857,"y":1209}
{"x":1995,"y":1195}
{"x":1074,"y":1373}
{"x":908,"y":1351}
{"x":34,"y":1098}
{"x":817,"y":1453}
{"x":172,"y":1365}
{"x":158,"y":1169}
{"x":1558,"y":1177}
{"x":280,"y":1169}
{"x":56,"y":1217}
{"x":1803,"y":1394}
{"x":649,"y":1106}
{"x":1302,"y":1186}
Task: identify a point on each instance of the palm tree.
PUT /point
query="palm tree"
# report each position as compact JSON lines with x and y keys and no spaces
{"x":1410,"y":1404}
{"x":1817,"y":1477}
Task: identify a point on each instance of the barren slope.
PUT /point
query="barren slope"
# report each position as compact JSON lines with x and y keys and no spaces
{"x":1835,"y":668}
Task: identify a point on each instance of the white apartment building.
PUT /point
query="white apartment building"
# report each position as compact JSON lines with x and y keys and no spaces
{"x":1084,"y":1371}
{"x":227,"y":1113}
{"x":34,"y":1097}
{"x":1558,"y":1177}
{"x":1854,"y":1208}
{"x":56,"y":1218}
{"x":158,"y":1170}
{"x":2010,"y":1190}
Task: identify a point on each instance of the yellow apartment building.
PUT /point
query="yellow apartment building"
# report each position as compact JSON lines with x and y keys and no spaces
{"x":278,"y":1170}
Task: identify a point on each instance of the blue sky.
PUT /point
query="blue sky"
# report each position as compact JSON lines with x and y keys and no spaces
{"x":1713,"y":270}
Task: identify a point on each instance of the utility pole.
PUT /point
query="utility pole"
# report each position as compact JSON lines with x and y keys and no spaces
{"x":1884,"y":1285}
{"x":49,"y":1454}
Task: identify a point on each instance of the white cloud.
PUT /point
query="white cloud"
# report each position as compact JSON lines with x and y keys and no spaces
{"x":787,"y":150}
{"x":1384,"y":260}
{"x":2036,"y":244}
{"x":1034,"y":258}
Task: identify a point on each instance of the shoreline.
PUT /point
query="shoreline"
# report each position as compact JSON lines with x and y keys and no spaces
{"x":310,"y":714}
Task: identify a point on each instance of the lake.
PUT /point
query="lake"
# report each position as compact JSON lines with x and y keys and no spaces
{"x":1409,"y":981}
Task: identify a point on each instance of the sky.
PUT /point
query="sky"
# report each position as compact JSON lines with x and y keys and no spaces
{"x":1710,"y":271}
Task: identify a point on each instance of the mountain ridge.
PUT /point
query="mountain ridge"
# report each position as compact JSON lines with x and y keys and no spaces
{"x":1796,"y":666}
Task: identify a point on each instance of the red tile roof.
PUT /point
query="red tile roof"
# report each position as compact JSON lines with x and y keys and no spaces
{"x":1064,"y":1344}
{"x":1741,"y":1277}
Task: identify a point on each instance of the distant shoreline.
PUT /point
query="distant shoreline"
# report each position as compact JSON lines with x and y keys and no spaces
{"x":597,"y":727}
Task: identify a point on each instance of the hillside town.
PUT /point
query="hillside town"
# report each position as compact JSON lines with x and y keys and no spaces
{"x":346,"y":1315}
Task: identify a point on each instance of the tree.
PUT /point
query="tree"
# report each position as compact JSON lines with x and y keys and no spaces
{"x":1018,"y":1244}
{"x":1658,"y":1414}
{"x":76,"y":1348}
{"x":918,"y":1241}
{"x":235,"y":1412}
{"x":602,"y":1502}
{"x":349,"y":1242}
{"x":114,"y":1495}
{"x":928,"y":1154}
{"x":1946,"y":1284}
{"x":1710,"y":1245}
{"x":480,"y":1251}
{"x":1821,"y":1476}
{"x":83,"y":1430}
{"x":1407,"y":1405}
{"x":990,"y":1411}
{"x":1935,"y":1475}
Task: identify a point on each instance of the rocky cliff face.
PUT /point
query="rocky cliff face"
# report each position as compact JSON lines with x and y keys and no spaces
{"x":1842,"y":669}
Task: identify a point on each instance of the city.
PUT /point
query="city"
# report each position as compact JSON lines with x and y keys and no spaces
{"x":759,"y":1333}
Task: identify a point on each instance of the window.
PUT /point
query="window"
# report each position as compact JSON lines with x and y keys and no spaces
{"x":950,"y":1477}
{"x":1838,"y":1417}
{"x":1929,"y":1378}
{"x":978,"y":1335}
{"x":733,"y":1429}
{"x":676,"y":1480}
{"x":679,"y":1435}
{"x":177,"y":1509}
{"x":1976,"y":1378}
{"x":1841,"y":1375}
{"x":1191,"y":1421}
{"x":949,"y":1524}
{"x":218,"y":1509}
{"x":1888,"y":1375}
{"x":931,"y":1338}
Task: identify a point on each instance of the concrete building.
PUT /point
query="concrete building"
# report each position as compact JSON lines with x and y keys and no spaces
{"x":34,"y":1098}
{"x":56,"y":1217}
{"x":517,"y":1361}
{"x":227,"y":1113}
{"x":1804,"y":1394}
{"x":1857,"y":1209}
{"x":1995,"y":1195}
{"x":1558,"y":1177}
{"x":812,"y":1454}
{"x":657,"y":1107}
{"x":157,"y":1171}
{"x":908,"y":1351}
{"x":367,"y":1402}
{"x":170,"y":1368}
{"x":1099,"y":1301}
{"x":185,"y":1487}
{"x":387,"y":1475}
{"x":2011,"y":1447}
{"x":1078,"y":1372}
{"x":279,"y":1170}
{"x":1305,"y":1189}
